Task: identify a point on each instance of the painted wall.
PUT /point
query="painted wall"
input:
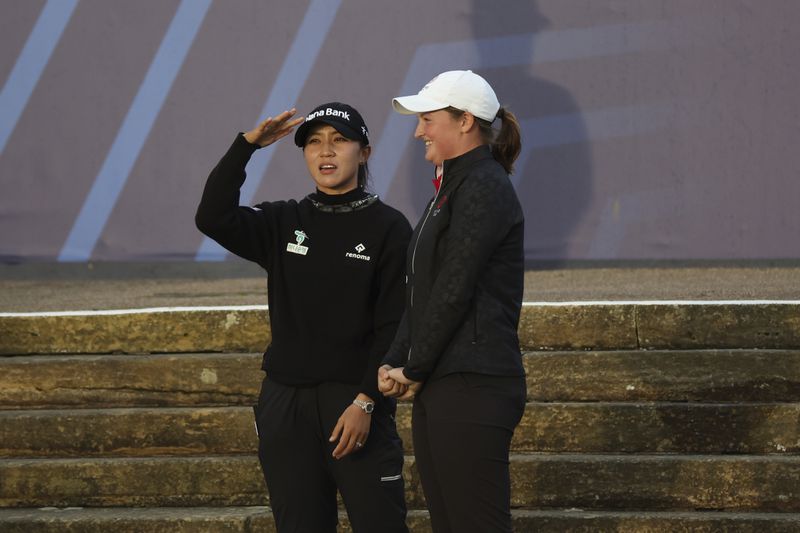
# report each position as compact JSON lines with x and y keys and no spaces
{"x":651,"y":129}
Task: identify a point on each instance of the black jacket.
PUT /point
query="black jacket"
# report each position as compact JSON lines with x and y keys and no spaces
{"x":465,"y":273}
{"x":335,"y":275}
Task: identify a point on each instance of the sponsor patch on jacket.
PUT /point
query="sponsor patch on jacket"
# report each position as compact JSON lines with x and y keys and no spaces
{"x":297,"y":248}
{"x":359,"y":248}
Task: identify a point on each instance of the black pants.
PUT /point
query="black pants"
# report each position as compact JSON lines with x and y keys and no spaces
{"x":463,"y":424}
{"x":294,"y":425}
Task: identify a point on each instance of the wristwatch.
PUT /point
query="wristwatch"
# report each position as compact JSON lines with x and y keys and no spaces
{"x":366,"y":405}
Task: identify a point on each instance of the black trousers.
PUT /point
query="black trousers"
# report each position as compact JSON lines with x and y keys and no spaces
{"x":294,"y":424}
{"x":462,"y":426}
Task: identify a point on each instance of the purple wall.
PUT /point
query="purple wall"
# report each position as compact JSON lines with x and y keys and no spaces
{"x":651,"y":130}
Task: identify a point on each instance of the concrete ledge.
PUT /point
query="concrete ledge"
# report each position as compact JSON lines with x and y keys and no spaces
{"x":85,"y":381}
{"x":678,"y":376}
{"x":577,"y":327}
{"x":249,"y":519}
{"x":576,"y":521}
{"x":49,"y":381}
{"x":128,"y":432}
{"x":160,"y":520}
{"x":752,"y":325}
{"x":136,"y":331}
{"x":545,"y":427}
{"x":659,"y":428}
{"x":604,"y":482}
{"x":656,"y":482}
{"x":543,"y":326}
{"x":165,"y":520}
{"x":129,"y":520}
{"x":132,"y":482}
{"x":147,"y":482}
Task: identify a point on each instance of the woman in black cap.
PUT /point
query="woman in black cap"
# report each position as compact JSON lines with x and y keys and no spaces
{"x":334,"y":263}
{"x":456,"y":350}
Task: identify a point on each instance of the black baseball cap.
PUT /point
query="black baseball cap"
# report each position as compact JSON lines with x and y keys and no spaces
{"x":344,"y":118}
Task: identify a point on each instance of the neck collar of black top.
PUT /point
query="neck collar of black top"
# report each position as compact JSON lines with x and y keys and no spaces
{"x":342,"y":203}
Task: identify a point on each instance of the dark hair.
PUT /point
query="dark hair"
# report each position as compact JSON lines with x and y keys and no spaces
{"x":506,"y":143}
{"x":363,"y":174}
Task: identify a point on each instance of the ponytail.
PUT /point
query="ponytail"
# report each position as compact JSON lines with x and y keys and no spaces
{"x":507,"y":144}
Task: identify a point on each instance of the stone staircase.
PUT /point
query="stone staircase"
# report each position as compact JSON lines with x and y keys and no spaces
{"x":641,"y":417}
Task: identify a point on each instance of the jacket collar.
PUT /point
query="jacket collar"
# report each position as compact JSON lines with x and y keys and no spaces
{"x":354,"y":200}
{"x":455,"y":169}
{"x":338,"y":199}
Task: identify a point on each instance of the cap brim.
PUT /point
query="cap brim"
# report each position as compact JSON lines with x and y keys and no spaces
{"x":411,"y":105}
{"x":304,"y":129}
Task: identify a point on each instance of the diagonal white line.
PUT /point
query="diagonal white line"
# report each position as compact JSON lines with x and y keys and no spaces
{"x":134,"y":131}
{"x":294,"y":72}
{"x":31,"y":63}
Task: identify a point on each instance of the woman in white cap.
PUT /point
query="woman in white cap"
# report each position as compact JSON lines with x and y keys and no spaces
{"x":334,"y":263}
{"x":456,"y":351}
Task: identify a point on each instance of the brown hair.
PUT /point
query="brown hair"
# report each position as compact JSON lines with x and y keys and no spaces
{"x":506,"y":143}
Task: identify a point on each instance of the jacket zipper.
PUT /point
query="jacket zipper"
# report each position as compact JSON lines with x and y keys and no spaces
{"x":416,"y":242}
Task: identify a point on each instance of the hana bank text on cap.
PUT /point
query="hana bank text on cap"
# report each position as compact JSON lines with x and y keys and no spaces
{"x":462,"y":89}
{"x":344,"y":118}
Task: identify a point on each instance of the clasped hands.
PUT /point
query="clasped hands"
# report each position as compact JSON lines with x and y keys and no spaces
{"x":394,"y":384}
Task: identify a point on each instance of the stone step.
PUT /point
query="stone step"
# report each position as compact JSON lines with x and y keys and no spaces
{"x":539,"y":481}
{"x":50,"y":381}
{"x":128,"y":432}
{"x":670,"y":428}
{"x":249,"y":519}
{"x":673,"y":375}
{"x":601,"y":427}
{"x":571,"y":326}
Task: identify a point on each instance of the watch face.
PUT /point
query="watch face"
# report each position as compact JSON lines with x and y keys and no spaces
{"x":368,"y":407}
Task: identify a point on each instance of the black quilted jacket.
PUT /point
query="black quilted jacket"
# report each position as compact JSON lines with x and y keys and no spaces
{"x":465,"y":272}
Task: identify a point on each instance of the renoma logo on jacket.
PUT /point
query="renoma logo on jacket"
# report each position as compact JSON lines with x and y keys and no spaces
{"x":300,"y":236}
{"x":359,"y":248}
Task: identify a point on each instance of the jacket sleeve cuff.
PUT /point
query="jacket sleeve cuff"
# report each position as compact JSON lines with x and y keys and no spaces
{"x":415,"y":376}
{"x":369,"y":386}
{"x":393,"y":360}
{"x":373,"y":394}
{"x":242,"y":144}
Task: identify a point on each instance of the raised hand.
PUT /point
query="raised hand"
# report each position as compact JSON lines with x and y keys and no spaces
{"x":273,"y":128}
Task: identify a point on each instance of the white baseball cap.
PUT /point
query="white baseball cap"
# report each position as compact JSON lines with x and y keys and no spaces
{"x":462,"y":89}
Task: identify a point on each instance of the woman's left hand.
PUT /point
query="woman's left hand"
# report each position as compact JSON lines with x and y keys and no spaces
{"x":413,"y":386}
{"x":352,"y":429}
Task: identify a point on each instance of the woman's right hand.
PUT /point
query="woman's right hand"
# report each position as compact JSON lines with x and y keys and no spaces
{"x":387,"y":386}
{"x":273,"y":128}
